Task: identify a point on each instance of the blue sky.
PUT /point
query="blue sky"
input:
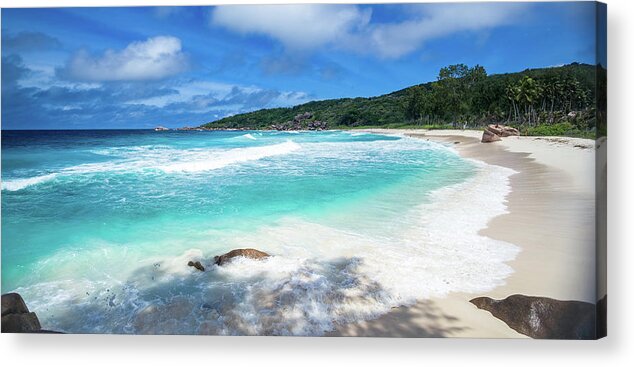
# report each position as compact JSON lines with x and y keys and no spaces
{"x":82,"y":68}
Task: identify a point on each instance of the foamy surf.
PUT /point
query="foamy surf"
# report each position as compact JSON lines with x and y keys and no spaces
{"x":320,"y":275}
{"x":357,"y":225}
{"x":153,"y":158}
{"x":22,"y":183}
{"x":233,"y":156}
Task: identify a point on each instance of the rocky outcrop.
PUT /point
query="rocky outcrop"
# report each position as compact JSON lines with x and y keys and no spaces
{"x":495,"y":132}
{"x":21,"y":323}
{"x":301,"y":121}
{"x":246,"y":252}
{"x":12,"y":303}
{"x":197,"y":265}
{"x":317,"y":125}
{"x":303,"y":116}
{"x":16,"y":317}
{"x":542,"y":317}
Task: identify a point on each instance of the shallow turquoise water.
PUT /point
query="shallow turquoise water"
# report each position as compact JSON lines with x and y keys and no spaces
{"x":88,"y":218}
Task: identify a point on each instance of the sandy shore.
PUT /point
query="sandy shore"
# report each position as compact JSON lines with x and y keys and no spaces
{"x":551,"y":218}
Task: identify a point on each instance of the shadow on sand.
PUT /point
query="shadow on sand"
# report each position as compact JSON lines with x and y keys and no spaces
{"x":425,"y":319}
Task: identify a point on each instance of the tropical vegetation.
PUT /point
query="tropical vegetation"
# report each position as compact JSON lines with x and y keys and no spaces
{"x":548,"y":101}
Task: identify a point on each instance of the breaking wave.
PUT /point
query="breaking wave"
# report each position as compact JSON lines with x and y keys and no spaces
{"x":232,"y":156}
{"x":22,"y":183}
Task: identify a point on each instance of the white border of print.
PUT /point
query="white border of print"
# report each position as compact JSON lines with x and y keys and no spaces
{"x":114,"y":350}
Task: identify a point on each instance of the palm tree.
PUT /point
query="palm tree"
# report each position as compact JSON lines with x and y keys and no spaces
{"x":526,"y":93}
{"x":513,"y":95}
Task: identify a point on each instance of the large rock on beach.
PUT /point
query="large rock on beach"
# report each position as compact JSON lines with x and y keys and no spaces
{"x":495,"y":132}
{"x":503,"y":131}
{"x":245,"y":252}
{"x":489,"y":137}
{"x":542,"y":317}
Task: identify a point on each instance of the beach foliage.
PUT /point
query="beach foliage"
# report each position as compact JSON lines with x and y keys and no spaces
{"x":559,"y":100}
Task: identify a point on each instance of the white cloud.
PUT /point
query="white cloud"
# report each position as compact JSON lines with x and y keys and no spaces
{"x":394,"y":40}
{"x":296,"y":26}
{"x":155,"y":58}
{"x":349,"y":27}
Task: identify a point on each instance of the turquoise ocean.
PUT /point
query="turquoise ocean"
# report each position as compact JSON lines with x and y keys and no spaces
{"x":98,"y":227}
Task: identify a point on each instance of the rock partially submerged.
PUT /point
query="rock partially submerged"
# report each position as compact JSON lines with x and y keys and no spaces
{"x":197,"y":265}
{"x":495,"y":132}
{"x":16,"y":317}
{"x":245,"y":252}
{"x":542,"y":317}
{"x":21,"y":323}
{"x":12,"y":303}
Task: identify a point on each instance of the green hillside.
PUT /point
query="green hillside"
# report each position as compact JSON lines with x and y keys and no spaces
{"x":548,"y":101}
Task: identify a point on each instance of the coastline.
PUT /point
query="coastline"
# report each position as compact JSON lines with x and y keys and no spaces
{"x":547,"y":180}
{"x":550,"y":217}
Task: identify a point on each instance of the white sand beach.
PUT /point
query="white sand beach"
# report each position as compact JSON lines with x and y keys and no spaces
{"x":551,"y":218}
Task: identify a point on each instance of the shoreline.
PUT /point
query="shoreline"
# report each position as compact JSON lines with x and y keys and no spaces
{"x":538,"y":211}
{"x":552,"y":198}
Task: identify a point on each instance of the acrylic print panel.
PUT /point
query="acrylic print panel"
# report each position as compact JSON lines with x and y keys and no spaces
{"x":402,"y":170}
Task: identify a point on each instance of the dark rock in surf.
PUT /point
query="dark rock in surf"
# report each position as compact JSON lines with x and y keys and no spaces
{"x":542,"y":317}
{"x":245,"y":252}
{"x":197,"y":265}
{"x":16,"y":317}
{"x":21,"y":323}
{"x":13,"y":303}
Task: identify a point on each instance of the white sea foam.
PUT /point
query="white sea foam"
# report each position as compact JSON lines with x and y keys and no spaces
{"x":351,"y":268}
{"x":343,"y":274}
{"x":160,"y":158}
{"x":232,"y":156}
{"x":22,"y":183}
{"x":249,"y":136}
{"x":322,"y":273}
